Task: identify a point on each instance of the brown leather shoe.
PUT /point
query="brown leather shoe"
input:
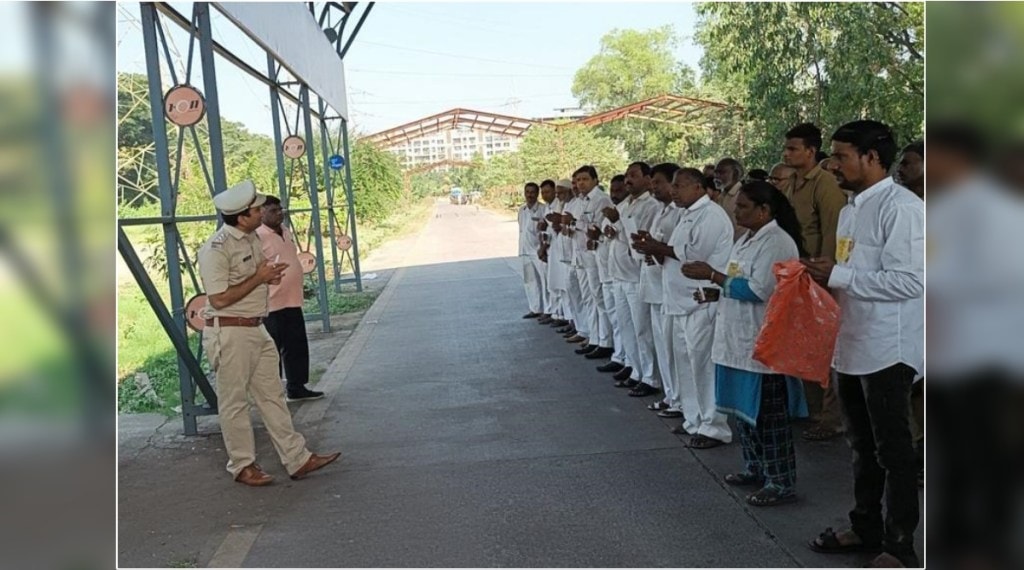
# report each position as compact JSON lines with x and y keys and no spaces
{"x":576,"y":339}
{"x":313,"y":463}
{"x":253,"y":476}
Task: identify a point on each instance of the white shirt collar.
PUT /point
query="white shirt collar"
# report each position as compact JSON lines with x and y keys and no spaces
{"x":761,"y":232}
{"x":875,"y":188}
{"x":700,"y":203}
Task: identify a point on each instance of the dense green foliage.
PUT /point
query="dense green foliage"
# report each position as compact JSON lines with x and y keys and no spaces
{"x":632,"y":66}
{"x":828,"y":63}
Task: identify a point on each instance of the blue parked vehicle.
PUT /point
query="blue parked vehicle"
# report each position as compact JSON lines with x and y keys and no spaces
{"x":457,"y":197}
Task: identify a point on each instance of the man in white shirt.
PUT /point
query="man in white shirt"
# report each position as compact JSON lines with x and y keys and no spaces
{"x":547,"y":194}
{"x":558,"y":260}
{"x":592,"y":202}
{"x":652,"y":321}
{"x":629,"y":216}
{"x":617,"y":192}
{"x":529,"y":244}
{"x":878,"y":279}
{"x":580,"y":310}
{"x":704,"y":233}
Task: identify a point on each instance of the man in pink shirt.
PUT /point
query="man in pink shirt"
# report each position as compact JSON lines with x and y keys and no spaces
{"x":285,"y":321}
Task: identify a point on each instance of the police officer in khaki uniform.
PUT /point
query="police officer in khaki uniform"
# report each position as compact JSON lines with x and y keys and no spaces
{"x":241,"y":352}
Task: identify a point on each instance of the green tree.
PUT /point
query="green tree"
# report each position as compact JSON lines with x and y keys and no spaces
{"x":377,"y":181}
{"x":550,"y":152}
{"x":827,"y":63}
{"x":632,"y":66}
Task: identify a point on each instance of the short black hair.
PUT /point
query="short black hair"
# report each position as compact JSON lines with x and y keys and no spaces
{"x":807,"y":132}
{"x":692,"y":173}
{"x":232,"y":219}
{"x":534,"y":184}
{"x":587,"y":169}
{"x":272,"y":201}
{"x":916,"y":147}
{"x":960,"y":137}
{"x":619,"y":178}
{"x":645,"y":168}
{"x":869,"y":135}
{"x":666,"y":169}
{"x":548,"y":182}
{"x":758,"y":174}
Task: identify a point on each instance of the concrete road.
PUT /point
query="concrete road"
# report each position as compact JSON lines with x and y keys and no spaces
{"x":471,"y":438}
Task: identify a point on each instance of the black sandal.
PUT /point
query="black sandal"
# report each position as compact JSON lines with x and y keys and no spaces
{"x":744,"y":479}
{"x":770,"y":497}
{"x":820,"y":433}
{"x":704,"y":442}
{"x":658,"y":407}
{"x":828,"y":543}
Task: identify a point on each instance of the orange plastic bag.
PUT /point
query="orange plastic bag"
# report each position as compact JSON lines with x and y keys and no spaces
{"x":801,"y":324}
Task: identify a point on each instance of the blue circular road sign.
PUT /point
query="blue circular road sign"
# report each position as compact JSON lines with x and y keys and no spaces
{"x":337,"y":161}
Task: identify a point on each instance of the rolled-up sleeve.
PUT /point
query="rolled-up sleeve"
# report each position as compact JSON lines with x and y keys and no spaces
{"x":901,"y":275}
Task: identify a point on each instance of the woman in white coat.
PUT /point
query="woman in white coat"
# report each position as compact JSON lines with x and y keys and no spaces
{"x":762,"y":400}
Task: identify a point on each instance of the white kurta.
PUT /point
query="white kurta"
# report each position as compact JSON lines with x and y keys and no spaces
{"x":739,"y":322}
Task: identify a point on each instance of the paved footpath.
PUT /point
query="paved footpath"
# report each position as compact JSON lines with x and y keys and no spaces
{"x":471,"y":438}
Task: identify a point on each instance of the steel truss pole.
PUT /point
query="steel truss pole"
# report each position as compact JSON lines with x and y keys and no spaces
{"x":329,"y":187}
{"x":275,"y":113}
{"x":212,"y":102}
{"x":350,"y":197}
{"x":325,"y":313}
{"x":163,"y":167}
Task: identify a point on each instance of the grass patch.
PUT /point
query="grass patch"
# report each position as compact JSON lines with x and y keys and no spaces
{"x":316,"y":374}
{"x":342,"y":303}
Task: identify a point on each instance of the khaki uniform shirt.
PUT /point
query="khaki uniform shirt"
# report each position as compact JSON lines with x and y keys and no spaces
{"x":817,"y":200}
{"x":228,"y":258}
{"x":727,"y":200}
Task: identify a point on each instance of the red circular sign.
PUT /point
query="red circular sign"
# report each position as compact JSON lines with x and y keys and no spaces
{"x":307,"y":261}
{"x":184,"y":105}
{"x":293,"y":147}
{"x":194,"y":312}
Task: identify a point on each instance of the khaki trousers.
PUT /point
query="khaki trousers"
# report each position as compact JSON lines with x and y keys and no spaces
{"x":245,"y":360}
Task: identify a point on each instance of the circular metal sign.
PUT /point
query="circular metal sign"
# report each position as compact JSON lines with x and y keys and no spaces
{"x":184,"y":105}
{"x":344,"y":242}
{"x":293,"y":147}
{"x":337,"y":161}
{"x":194,"y":312}
{"x":307,"y":261}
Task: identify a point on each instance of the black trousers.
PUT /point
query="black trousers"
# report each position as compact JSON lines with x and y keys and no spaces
{"x":288,"y":329}
{"x":876,"y":409}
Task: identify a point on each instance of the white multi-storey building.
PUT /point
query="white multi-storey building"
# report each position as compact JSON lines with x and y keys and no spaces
{"x":457,"y":145}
